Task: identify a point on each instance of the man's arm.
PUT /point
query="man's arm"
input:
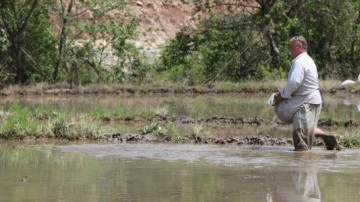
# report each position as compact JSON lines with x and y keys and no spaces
{"x":295,"y":78}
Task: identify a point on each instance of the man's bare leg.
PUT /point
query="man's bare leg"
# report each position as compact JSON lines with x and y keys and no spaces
{"x":330,"y":141}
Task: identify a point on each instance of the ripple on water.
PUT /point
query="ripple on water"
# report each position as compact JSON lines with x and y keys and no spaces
{"x":252,"y":156}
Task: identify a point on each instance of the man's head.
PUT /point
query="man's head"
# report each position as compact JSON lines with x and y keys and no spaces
{"x":298,"y":45}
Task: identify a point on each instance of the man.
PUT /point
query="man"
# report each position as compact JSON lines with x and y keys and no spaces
{"x":300,"y":101}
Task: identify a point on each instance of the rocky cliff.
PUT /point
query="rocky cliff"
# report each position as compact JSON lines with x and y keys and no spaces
{"x":159,"y":21}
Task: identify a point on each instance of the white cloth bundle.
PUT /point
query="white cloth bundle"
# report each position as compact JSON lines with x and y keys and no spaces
{"x":271,"y":100}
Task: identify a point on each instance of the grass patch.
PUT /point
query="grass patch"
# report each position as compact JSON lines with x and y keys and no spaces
{"x":98,"y":112}
{"x":153,"y":128}
{"x":351,"y":140}
{"x":199,"y":130}
{"x":19,"y":122}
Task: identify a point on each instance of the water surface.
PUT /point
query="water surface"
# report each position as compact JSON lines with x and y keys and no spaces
{"x":157,"y":172}
{"x":197,"y":106}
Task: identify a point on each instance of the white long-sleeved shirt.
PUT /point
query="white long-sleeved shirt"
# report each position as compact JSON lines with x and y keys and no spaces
{"x":303,"y":80}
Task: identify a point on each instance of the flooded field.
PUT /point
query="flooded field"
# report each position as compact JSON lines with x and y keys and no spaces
{"x":180,"y":172}
{"x":157,"y":172}
{"x":196,"y":107}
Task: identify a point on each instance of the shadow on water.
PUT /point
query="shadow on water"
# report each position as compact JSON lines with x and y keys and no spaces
{"x":157,"y":172}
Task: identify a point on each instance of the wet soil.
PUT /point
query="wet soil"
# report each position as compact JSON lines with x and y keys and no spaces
{"x":217,"y":122}
{"x":221,"y":121}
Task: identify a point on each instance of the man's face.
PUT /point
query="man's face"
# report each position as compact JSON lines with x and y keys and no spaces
{"x":295,"y":49}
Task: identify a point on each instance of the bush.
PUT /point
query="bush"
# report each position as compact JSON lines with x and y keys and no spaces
{"x":223,"y":50}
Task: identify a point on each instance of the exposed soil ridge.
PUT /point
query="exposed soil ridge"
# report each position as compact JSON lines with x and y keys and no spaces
{"x":222,"y":121}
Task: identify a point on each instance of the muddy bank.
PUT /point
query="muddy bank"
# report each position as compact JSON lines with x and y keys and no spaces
{"x":193,"y":139}
{"x":164,"y":139}
{"x":212,"y":122}
{"x":217,"y":122}
{"x":122,"y":138}
{"x":221,"y":121}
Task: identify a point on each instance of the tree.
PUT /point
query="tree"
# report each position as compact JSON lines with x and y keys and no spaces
{"x":222,"y":48}
{"x":259,"y":10}
{"x":65,"y":15}
{"x":25,"y":26}
{"x":90,"y":33}
{"x":331,"y":28}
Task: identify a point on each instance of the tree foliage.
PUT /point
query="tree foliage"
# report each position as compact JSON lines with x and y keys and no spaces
{"x":27,"y":45}
{"x":68,"y":40}
{"x":332,"y":31}
{"x":258,"y":46}
{"x":94,"y":34}
{"x":84,"y":42}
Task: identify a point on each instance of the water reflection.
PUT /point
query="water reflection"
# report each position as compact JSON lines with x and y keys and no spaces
{"x":302,"y":184}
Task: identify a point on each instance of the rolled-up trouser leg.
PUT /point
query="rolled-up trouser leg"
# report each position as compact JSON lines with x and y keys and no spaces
{"x":304,"y":123}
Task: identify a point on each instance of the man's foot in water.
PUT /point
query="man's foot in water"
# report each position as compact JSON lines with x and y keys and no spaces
{"x":330,"y":141}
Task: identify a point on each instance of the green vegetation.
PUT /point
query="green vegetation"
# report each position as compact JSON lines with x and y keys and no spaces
{"x":351,"y":141}
{"x":51,"y":41}
{"x":153,"y":128}
{"x":235,"y":47}
{"x":21,"y":123}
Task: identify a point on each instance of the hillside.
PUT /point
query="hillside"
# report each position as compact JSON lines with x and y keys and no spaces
{"x":159,"y":21}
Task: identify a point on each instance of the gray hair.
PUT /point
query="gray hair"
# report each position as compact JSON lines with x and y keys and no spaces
{"x":299,"y":40}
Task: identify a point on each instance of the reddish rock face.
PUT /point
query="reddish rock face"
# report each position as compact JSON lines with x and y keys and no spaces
{"x":160,"y":20}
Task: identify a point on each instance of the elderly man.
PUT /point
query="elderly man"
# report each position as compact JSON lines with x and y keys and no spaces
{"x":300,"y":101}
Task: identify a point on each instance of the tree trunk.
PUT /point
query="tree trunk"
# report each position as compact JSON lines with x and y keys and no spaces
{"x":19,"y":76}
{"x":63,"y":38}
{"x":15,"y":28}
{"x":274,"y":51}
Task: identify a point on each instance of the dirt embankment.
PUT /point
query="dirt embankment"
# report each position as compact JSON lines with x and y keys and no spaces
{"x":217,"y":122}
{"x":162,"y":19}
{"x":159,"y":21}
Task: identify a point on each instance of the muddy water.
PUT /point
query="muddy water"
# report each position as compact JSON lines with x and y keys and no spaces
{"x":124,"y":172}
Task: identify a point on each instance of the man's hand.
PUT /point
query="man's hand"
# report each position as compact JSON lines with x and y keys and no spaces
{"x":278,"y":98}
